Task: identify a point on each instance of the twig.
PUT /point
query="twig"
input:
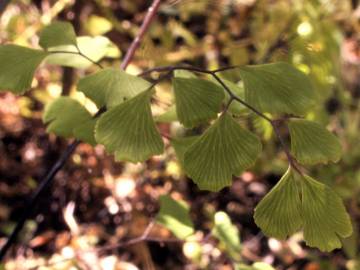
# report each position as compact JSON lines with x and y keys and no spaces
{"x":71,"y":148}
{"x":143,"y":29}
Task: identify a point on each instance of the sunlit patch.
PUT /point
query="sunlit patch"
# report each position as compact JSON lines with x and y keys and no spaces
{"x":304,"y":29}
{"x":124,"y":187}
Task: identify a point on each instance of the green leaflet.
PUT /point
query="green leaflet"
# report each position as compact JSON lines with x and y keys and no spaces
{"x":93,"y":47}
{"x":85,"y":131}
{"x":311,"y":143}
{"x":65,"y":114}
{"x":181,"y":145}
{"x":17,"y":67}
{"x":228,"y":234}
{"x":325,"y":217}
{"x":174,"y":215}
{"x":225,"y":149}
{"x":129,"y":130}
{"x":56,"y":34}
{"x":277,"y":88}
{"x":316,"y":208}
{"x":278,"y":213}
{"x":196,"y":100}
{"x":111,"y":86}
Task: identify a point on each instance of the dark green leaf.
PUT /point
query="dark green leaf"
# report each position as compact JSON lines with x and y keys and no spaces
{"x":311,"y":143}
{"x":279,"y":213}
{"x":181,"y":145}
{"x":325,"y":217}
{"x":111,"y":86}
{"x":277,"y":88}
{"x":196,"y":100}
{"x":225,"y":149}
{"x":129,"y":131}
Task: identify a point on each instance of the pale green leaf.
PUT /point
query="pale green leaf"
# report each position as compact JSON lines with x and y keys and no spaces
{"x":279,"y":213}
{"x":95,"y":48}
{"x":277,"y":88}
{"x":225,"y":149}
{"x":96,"y":25}
{"x":63,"y":115}
{"x":181,"y":145}
{"x":17,"y":67}
{"x":56,"y":34}
{"x":111,"y":86}
{"x":174,"y":215}
{"x":312,"y":143}
{"x":168,"y":116}
{"x":325,"y":217}
{"x":196,"y":100}
{"x":129,"y":131}
{"x":228,"y":234}
{"x":86,"y":132}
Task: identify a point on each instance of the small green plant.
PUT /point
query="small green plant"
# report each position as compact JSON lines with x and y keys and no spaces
{"x":277,"y":93}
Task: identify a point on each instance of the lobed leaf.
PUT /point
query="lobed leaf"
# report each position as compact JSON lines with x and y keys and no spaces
{"x":85,"y":131}
{"x":129,"y":131}
{"x":65,"y":114}
{"x":325,"y":217}
{"x":111,"y":86}
{"x":174,"y":215}
{"x":279,"y":213}
{"x":311,"y":143}
{"x":277,"y":88}
{"x":315,"y":207}
{"x":196,"y":100}
{"x":56,"y":34}
{"x":181,"y":145}
{"x":17,"y":67}
{"x":225,"y":149}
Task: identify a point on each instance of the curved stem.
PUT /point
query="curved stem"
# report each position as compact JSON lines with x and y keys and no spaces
{"x":150,"y":15}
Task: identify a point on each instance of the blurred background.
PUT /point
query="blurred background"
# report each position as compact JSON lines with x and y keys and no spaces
{"x":97,"y":203}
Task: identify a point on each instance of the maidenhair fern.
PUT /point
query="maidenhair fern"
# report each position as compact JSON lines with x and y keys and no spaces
{"x":126,"y":127}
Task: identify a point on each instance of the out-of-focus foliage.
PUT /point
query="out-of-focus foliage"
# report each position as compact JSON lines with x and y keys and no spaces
{"x":318,"y":37}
